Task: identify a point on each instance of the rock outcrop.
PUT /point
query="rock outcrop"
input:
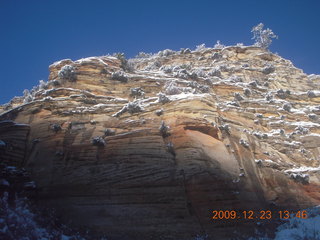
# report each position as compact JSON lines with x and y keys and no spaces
{"x":147,"y":149}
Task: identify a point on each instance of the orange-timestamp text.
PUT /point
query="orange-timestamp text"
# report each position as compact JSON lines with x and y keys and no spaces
{"x":258,"y":215}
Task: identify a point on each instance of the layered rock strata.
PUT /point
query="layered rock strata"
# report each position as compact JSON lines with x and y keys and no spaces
{"x":149,"y":150}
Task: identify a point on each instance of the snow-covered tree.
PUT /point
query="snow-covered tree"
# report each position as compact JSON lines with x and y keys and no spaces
{"x":262,"y":37}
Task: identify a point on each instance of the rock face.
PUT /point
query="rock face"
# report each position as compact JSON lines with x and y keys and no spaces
{"x":149,"y":153}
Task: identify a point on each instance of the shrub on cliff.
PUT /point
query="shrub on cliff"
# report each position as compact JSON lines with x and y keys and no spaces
{"x":311,"y":94}
{"x":238,"y":97}
{"x":287,"y":107}
{"x":159,"y":112}
{"x":109,"y":132}
{"x":144,"y":55}
{"x":166,"y":53}
{"x":164,"y":130}
{"x":218,"y":45}
{"x":200,"y":47}
{"x":185,"y":50}
{"x":247,"y":92}
{"x":313,"y":116}
{"x":162,"y":98}
{"x":153,"y":65}
{"x":300,"y":177}
{"x":67,"y":72}
{"x":269,"y":97}
{"x":198,"y":73}
{"x":262,"y":37}
{"x":125,"y":64}
{"x":166,"y":68}
{"x":131,"y":107}
{"x":119,"y":76}
{"x":198,"y":88}
{"x":244,"y":143}
{"x":171,"y":87}
{"x":301,"y":130}
{"x":283,"y":93}
{"x":56,"y":127}
{"x":268,"y":69}
{"x":225,"y":128}
{"x":170,"y":148}
{"x":98,"y":141}
{"x":134,"y":107}
{"x":43,"y":85}
{"x":215,"y":73}
{"x":136,"y":92}
{"x":27,"y":97}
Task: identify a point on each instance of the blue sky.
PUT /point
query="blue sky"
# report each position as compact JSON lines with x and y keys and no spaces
{"x":36,"y":33}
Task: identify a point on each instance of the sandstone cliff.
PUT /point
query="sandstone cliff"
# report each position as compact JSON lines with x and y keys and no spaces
{"x":147,"y":149}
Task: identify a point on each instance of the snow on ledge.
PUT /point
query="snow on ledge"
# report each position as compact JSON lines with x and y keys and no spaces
{"x":303,"y":169}
{"x":186,"y":96}
{"x":305,"y":124}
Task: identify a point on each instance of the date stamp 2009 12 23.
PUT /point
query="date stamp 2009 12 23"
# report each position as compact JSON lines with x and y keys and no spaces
{"x":259,"y":215}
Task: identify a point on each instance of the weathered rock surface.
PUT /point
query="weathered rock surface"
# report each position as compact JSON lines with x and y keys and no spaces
{"x":231,"y":142}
